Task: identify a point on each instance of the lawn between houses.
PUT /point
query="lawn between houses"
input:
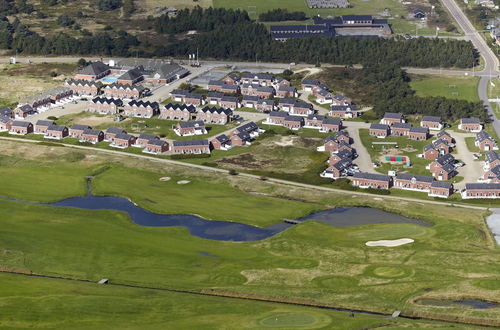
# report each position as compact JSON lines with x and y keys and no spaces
{"x":454,"y":258}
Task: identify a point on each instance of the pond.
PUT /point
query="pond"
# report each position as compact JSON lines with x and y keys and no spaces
{"x":231,"y":230}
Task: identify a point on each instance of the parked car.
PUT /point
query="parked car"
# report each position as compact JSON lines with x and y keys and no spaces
{"x":459,"y":164}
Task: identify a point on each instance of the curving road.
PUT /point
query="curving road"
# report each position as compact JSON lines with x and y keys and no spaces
{"x":491,"y":60}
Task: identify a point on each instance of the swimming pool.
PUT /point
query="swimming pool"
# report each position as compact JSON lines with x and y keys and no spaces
{"x":109,"y":79}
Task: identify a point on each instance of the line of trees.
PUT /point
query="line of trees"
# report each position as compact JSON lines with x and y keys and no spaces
{"x":391,"y":92}
{"x":278,"y":15}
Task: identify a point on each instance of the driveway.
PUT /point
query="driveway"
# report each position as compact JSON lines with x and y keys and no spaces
{"x":364,"y":160}
{"x":472,"y":169}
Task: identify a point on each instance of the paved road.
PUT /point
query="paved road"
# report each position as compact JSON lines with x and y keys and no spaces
{"x":491,"y":60}
{"x":364,"y":160}
{"x":251,"y":176}
{"x":472,"y":169}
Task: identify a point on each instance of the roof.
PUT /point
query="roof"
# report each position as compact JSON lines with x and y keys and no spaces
{"x":314,"y":82}
{"x":143,"y":104}
{"x":496,"y":171}
{"x":445,"y":159}
{"x":83,"y":82}
{"x":345,"y":153}
{"x":145,"y":136}
{"x":229,"y":99}
{"x":265,"y":102}
{"x":115,"y":130}
{"x":131,"y":75}
{"x":233,"y":76}
{"x":356,"y":17}
{"x":287,"y":89}
{"x":217,"y":83}
{"x":482,"y":186}
{"x":372,"y":176}
{"x":294,"y":118}
{"x":4,"y":119}
{"x":429,"y":147}
{"x":260,"y":76}
{"x":287,"y":101}
{"x":157,"y":142}
{"x":107,"y":100}
{"x":94,"y":132}
{"x":181,"y":107}
{"x":441,"y":184}
{"x":227,"y":112}
{"x":379,"y":126}
{"x":26,"y":108}
{"x":402,"y":125}
{"x":341,"y":133}
{"x":248,"y":127}
{"x":21,"y":123}
{"x":251,"y":98}
{"x":393,"y":115}
{"x":330,"y":138}
{"x":94,"y":69}
{"x":409,"y":177}
{"x":419,"y":130}
{"x":317,"y":117}
{"x":179,"y":92}
{"x":215,"y":95}
{"x":57,"y":128}
{"x":243,"y":136}
{"x":481,"y":136}
{"x":263,"y":89}
{"x":491,"y":156}
{"x":343,"y":164}
{"x":80,"y":127}
{"x":443,"y":133}
{"x":431,"y":119}
{"x":439,"y":141}
{"x":139,"y":88}
{"x":189,"y":124}
{"x":299,"y":104}
{"x":471,"y":120}
{"x":448,"y":168}
{"x":222,"y":138}
{"x":203,"y":142}
{"x":44,"y":123}
{"x":330,"y":121}
{"x":124,"y":136}
{"x":343,"y":107}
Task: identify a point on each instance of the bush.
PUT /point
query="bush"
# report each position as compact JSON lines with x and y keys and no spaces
{"x":232,"y":172}
{"x":108,"y":5}
{"x":190,"y":156}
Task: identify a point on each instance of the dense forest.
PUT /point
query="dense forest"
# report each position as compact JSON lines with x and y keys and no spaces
{"x":230,"y":34}
{"x":391,"y":92}
{"x":277,"y":15}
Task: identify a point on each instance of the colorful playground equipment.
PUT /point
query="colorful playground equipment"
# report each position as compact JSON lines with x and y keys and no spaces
{"x":398,"y":160}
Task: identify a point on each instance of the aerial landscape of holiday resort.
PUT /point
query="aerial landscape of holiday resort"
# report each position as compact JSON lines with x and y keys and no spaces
{"x":280,"y":164}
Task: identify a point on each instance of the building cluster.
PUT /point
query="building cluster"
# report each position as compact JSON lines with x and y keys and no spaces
{"x":339,"y":146}
{"x":347,"y":25}
{"x":240,"y":136}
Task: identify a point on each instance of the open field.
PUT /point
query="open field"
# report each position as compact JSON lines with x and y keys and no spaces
{"x":114,"y":307}
{"x":34,"y":78}
{"x":455,"y":258}
{"x":453,"y":87}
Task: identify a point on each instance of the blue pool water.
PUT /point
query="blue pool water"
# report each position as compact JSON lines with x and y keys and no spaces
{"x":109,"y":79}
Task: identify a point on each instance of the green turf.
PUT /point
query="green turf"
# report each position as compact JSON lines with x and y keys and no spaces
{"x":455,"y":87}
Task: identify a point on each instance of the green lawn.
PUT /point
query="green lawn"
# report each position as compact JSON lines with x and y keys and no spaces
{"x":470,"y":141}
{"x":455,"y":87}
{"x":26,"y":304}
{"x":310,"y":261}
{"x":211,"y":199}
{"x":413,"y":149}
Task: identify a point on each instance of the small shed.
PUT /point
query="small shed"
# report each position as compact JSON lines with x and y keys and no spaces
{"x":103,"y":281}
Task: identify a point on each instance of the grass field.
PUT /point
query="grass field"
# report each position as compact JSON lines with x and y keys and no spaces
{"x":311,"y":261}
{"x":74,"y":305}
{"x":455,"y":87}
{"x":34,"y":78}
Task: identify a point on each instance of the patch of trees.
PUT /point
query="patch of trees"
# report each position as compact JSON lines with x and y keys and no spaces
{"x":391,"y":92}
{"x":278,"y":15}
{"x":11,"y":7}
{"x":108,"y":5}
{"x":230,"y":34}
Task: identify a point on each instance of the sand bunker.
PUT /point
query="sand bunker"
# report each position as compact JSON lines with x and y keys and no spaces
{"x":165,"y":178}
{"x":390,"y":243}
{"x":183,"y":182}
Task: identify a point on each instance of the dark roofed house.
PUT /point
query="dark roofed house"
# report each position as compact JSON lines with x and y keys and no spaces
{"x":131,"y":77}
{"x":92,"y":136}
{"x":191,"y":147}
{"x":56,"y":132}
{"x":445,"y":136}
{"x":485,"y":142}
{"x":470,"y":125}
{"x":21,"y":127}
{"x":230,"y":102}
{"x":430,"y":152}
{"x":400,"y":129}
{"x":156,"y":147}
{"x":441,"y":189}
{"x":76,"y":130}
{"x":492,"y":159}
{"x":481,"y":190}
{"x":93,"y":71}
{"x":391,"y":118}
{"x":5,"y":123}
{"x":379,"y":130}
{"x":189,"y":128}
{"x":41,"y":126}
{"x":240,"y":139}
{"x":112,"y":132}
{"x":331,"y":125}
{"x":418,"y":133}
{"x":144,"y":138}
{"x":371,"y":180}
{"x":432,"y":122}
{"x":293,"y":122}
{"x":123,"y":140}
{"x":314,"y":121}
{"x":251,"y":128}
{"x":23,"y":111}
{"x":413,"y":182}
{"x":221,"y":142}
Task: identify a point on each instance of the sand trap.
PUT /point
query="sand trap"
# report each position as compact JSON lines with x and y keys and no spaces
{"x":390,"y":243}
{"x":165,"y":178}
{"x":183,"y":182}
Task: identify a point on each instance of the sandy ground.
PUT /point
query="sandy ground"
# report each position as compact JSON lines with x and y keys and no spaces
{"x":390,"y":243}
{"x":183,"y":182}
{"x":286,"y":141}
{"x":94,"y":120}
{"x":311,"y":71}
